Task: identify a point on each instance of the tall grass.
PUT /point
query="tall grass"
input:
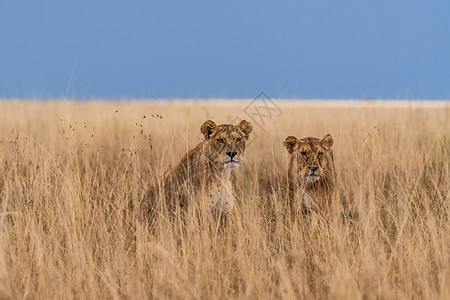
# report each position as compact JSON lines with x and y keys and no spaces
{"x":72,"y":176}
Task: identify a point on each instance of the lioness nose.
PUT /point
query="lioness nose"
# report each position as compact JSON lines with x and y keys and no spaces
{"x":231,"y":154}
{"x":313,"y":168}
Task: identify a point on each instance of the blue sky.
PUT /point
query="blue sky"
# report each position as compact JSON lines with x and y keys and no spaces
{"x":234,"y":49}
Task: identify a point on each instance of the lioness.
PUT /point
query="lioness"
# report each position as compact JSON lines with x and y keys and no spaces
{"x":207,"y":170}
{"x":311,"y":173}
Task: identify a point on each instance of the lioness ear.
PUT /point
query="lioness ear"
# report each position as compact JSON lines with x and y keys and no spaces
{"x":207,"y":129}
{"x":246,"y":127}
{"x":290,"y":143}
{"x":327,"y":141}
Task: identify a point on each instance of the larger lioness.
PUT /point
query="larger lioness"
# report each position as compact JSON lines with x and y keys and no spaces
{"x":311,"y":173}
{"x":207,"y":170}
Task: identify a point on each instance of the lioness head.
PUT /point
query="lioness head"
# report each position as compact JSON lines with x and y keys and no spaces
{"x":225,"y":144}
{"x":312,"y":156}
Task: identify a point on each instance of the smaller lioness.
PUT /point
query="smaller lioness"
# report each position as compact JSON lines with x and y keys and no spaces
{"x":311,"y":173}
{"x":207,"y":170}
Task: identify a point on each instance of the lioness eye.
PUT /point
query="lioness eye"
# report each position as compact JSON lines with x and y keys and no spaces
{"x":303,"y":153}
{"x":220,"y":141}
{"x":320,"y":154}
{"x":238,"y":140}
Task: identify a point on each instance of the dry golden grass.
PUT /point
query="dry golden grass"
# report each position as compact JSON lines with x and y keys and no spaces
{"x":72,"y":176}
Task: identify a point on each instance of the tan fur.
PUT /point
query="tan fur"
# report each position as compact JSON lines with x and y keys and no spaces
{"x":207,"y":170}
{"x":311,"y":173}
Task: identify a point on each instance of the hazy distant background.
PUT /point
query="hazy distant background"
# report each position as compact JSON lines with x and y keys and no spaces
{"x":235,"y":49}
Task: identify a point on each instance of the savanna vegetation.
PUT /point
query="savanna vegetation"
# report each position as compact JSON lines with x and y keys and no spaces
{"x":72,"y":176}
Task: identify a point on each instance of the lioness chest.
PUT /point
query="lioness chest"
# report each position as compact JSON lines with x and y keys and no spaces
{"x":314,"y":197}
{"x":221,"y":196}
